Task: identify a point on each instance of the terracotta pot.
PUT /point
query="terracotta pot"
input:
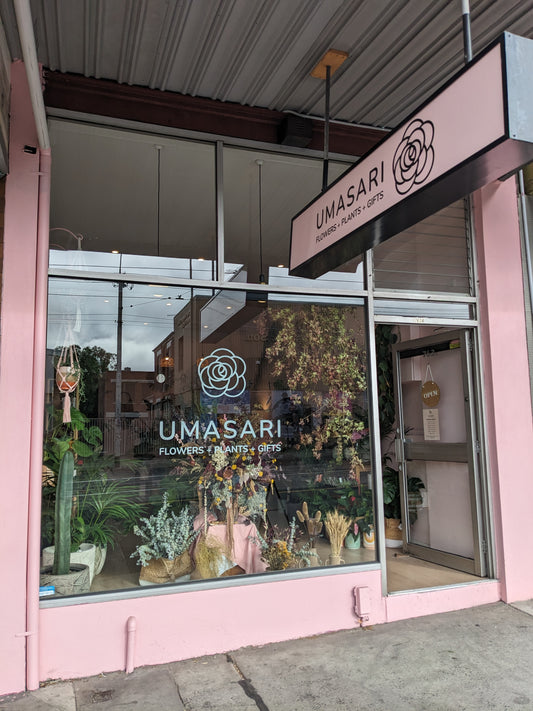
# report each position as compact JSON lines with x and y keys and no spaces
{"x":67,"y":377}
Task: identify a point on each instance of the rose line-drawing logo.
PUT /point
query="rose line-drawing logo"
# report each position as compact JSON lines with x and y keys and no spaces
{"x":222,"y":373}
{"x":414,"y":157}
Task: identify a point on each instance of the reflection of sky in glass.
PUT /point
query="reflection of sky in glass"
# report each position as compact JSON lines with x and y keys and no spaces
{"x":148,"y":317}
{"x":86,"y":312}
{"x":143,"y":265}
{"x":110,"y":263}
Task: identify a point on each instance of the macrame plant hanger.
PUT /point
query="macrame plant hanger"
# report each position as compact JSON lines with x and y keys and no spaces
{"x":67,"y":373}
{"x":68,"y":367}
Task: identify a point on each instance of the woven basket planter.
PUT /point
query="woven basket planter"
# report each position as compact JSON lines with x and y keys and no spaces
{"x":162,"y":570}
{"x":393,"y":533}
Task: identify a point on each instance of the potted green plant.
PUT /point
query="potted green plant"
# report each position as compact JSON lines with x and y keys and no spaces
{"x":166,"y":540}
{"x":81,"y":440}
{"x":65,"y":443}
{"x":102,"y":508}
{"x":392,"y":504}
{"x":67,"y":578}
{"x":365,"y":517}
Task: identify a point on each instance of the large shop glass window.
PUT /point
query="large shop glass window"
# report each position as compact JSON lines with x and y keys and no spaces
{"x":135,"y":203}
{"x":210,"y":434}
{"x":131,"y":202}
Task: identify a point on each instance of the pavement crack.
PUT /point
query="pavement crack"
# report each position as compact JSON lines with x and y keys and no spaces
{"x":247,"y":686}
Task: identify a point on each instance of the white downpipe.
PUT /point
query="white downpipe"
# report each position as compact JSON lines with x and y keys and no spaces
{"x":29,"y":54}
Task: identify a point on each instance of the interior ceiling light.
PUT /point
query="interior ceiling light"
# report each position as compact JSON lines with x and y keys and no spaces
{"x":115,"y":251}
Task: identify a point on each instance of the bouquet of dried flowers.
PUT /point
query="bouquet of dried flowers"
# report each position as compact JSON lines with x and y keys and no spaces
{"x":337,"y":527}
{"x":233,"y":482}
{"x":279,"y":549}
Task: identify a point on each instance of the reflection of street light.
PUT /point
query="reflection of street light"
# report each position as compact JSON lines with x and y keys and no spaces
{"x":167,"y":362}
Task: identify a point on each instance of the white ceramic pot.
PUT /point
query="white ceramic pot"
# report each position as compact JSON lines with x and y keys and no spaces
{"x":84,"y":556}
{"x":369,"y":539}
{"x":75,"y":582}
{"x":99,"y":558}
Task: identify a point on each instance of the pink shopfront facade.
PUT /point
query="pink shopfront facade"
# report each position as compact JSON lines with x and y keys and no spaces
{"x":331,"y":450}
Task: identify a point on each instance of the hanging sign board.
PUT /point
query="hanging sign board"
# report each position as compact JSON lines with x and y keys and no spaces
{"x":430,"y":393}
{"x":475,"y":130}
{"x":431,"y":425}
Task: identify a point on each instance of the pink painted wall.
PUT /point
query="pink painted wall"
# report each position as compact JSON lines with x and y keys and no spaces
{"x":189,"y":624}
{"x":510,"y":429}
{"x":428,"y":602}
{"x":16,"y":368}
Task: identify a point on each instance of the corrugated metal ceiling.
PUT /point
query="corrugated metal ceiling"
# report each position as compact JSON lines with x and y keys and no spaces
{"x":261,"y":52}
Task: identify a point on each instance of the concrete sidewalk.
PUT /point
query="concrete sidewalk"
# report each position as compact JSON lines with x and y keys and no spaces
{"x":480,"y":659}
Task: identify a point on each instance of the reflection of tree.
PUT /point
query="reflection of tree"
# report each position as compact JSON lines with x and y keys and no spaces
{"x":93,"y":362}
{"x":315,"y":350}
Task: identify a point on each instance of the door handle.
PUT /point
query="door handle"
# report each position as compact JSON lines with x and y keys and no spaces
{"x":398,"y":450}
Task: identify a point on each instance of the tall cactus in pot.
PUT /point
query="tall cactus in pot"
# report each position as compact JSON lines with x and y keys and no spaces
{"x":63,"y":512}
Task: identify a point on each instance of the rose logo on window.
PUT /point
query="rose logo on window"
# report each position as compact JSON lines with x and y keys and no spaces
{"x":222,"y":373}
{"x":414,"y":156}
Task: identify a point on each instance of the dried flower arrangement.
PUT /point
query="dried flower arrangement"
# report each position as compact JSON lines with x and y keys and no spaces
{"x":280,"y":551}
{"x":314,"y":527}
{"x":317,"y":350}
{"x":337,"y":527}
{"x":232,"y":483}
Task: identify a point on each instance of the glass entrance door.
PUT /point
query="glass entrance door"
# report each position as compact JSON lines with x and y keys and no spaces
{"x":436,"y":451}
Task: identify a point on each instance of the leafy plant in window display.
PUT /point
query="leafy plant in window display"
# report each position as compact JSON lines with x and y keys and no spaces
{"x":76,"y":436}
{"x":102,"y":508}
{"x":314,"y":350}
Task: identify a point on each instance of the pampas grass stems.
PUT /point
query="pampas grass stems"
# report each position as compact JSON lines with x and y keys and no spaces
{"x":337,"y":526}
